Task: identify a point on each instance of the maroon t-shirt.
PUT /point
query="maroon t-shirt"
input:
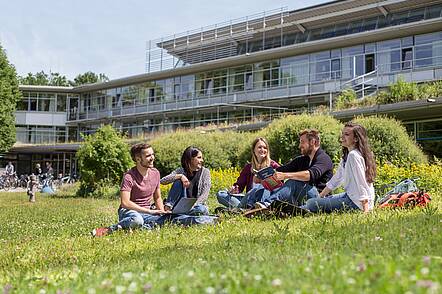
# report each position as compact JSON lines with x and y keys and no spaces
{"x":141,"y":188}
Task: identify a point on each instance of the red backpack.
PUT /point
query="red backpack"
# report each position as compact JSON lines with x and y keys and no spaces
{"x":405,"y":194}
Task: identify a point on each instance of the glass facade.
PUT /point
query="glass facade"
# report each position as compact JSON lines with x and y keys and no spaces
{"x":51,"y":103}
{"x":268,"y":35}
{"x":43,"y":101}
{"x":34,"y":134}
{"x":293,"y":76}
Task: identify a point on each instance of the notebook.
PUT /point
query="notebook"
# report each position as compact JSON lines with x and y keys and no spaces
{"x":183,"y":206}
{"x":268,"y":179}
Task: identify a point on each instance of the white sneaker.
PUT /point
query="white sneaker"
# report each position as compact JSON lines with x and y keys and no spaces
{"x":261,"y":205}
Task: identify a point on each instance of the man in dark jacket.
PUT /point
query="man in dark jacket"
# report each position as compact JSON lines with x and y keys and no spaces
{"x":305,"y":176}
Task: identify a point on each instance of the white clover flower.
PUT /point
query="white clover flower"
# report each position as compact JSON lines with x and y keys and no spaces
{"x":132,"y":287}
{"x":210,"y":290}
{"x":172,"y":289}
{"x":276,"y":283}
{"x":127,"y":275}
{"x":91,"y":291}
{"x":120,"y":289}
{"x":190,"y":274}
{"x":425,"y":271}
{"x":351,"y":281}
{"x":257,"y":277}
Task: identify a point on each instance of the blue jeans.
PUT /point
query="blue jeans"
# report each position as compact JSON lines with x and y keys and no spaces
{"x":177,"y":191}
{"x":292,"y":191}
{"x":131,"y":219}
{"x":335,"y":202}
{"x":236,"y":201}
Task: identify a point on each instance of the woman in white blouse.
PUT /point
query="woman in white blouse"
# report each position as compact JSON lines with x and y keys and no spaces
{"x":356,"y":172}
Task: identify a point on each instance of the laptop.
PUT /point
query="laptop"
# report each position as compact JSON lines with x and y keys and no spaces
{"x":183,"y":206}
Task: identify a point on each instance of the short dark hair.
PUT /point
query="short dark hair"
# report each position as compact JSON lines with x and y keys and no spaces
{"x":136,"y":149}
{"x":189,"y":153}
{"x":311,"y":134}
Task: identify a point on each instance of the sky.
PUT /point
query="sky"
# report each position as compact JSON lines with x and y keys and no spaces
{"x":108,"y":36}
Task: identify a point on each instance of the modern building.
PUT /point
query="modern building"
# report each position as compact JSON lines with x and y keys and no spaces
{"x":253,"y":68}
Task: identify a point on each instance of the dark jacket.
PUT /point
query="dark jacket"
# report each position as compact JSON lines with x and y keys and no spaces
{"x":245,"y":179}
{"x":320,"y":169}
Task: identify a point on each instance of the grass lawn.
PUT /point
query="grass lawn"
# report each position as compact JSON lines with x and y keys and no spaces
{"x":46,"y":248}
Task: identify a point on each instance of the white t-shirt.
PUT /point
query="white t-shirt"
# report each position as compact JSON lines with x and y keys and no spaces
{"x":352,"y":177}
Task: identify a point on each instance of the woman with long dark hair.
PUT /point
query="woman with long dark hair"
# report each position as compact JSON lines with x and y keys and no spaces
{"x":190,"y":180}
{"x":260,"y":159}
{"x":356,"y":172}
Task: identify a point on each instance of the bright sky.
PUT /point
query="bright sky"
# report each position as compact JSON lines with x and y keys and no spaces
{"x":108,"y":36}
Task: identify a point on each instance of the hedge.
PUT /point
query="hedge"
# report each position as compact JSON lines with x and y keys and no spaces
{"x":282,"y":135}
{"x":390,"y":141}
{"x":220,"y":149}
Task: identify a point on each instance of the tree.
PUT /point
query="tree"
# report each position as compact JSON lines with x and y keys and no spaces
{"x":89,"y":78}
{"x":103,"y":157}
{"x":43,"y":79}
{"x":9,"y":95}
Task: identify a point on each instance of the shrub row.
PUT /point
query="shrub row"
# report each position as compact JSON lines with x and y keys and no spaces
{"x":396,"y":92}
{"x":104,"y":156}
{"x":388,"y":138}
{"x":220,"y":149}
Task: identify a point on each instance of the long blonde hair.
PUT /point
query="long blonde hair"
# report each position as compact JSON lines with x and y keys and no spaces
{"x":255,"y":163}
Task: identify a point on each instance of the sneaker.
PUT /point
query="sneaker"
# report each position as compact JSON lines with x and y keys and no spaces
{"x":99,"y":232}
{"x":262,"y":205}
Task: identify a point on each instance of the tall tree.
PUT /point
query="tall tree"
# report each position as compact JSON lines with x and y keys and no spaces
{"x":43,"y":79}
{"x":9,"y":95}
{"x":89,"y":78}
{"x":37,"y":79}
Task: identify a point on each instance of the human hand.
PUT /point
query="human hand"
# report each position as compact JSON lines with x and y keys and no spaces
{"x":234,"y":189}
{"x":159,"y":211}
{"x":279,"y":176}
{"x":185,"y":181}
{"x":256,"y":180}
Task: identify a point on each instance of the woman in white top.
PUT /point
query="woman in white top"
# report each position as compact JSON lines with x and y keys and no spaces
{"x":356,"y":172}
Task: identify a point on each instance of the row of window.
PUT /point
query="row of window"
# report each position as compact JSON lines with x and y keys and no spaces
{"x":32,"y":134}
{"x":281,"y":37}
{"x":48,"y":102}
{"x":387,"y":57}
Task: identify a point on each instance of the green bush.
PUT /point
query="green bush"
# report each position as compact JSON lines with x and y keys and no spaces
{"x":103,"y":158}
{"x":220,"y":149}
{"x":390,"y":141}
{"x":398,"y":92}
{"x":282,"y":135}
{"x":346,"y":99}
{"x":430,"y":90}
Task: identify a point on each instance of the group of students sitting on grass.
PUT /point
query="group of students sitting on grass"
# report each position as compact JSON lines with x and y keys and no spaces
{"x":308,"y":181}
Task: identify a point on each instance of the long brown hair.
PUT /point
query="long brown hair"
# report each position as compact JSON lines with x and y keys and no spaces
{"x":255,"y":163}
{"x":186,"y":159}
{"x":363,"y":146}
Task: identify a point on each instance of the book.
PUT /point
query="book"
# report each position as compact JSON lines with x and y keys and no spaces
{"x":268,"y":179}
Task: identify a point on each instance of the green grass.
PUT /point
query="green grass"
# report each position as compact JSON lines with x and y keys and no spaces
{"x":46,"y":247}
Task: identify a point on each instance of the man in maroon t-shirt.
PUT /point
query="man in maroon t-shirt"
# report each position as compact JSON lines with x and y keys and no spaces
{"x":140,"y":189}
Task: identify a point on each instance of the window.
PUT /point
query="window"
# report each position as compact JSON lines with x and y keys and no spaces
{"x":407,"y":58}
{"x":336,"y":69}
{"x":61,"y":102}
{"x":369,"y":63}
{"x":22,"y":104}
